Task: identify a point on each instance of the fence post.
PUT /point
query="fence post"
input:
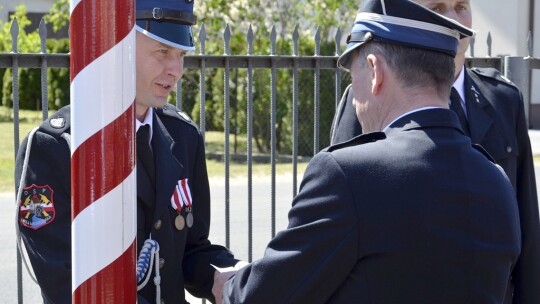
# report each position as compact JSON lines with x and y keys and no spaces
{"x":518,"y":70}
{"x":14,"y":30}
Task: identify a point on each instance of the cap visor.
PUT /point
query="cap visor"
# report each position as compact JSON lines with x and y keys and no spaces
{"x":344,"y":61}
{"x":175,"y":35}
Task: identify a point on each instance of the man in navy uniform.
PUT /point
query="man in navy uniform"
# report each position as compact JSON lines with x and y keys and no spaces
{"x":177,"y":157}
{"x":492,"y":115}
{"x":411,"y":211}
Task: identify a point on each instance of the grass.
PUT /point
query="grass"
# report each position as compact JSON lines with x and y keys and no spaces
{"x":214,"y":143}
{"x":28,"y":120}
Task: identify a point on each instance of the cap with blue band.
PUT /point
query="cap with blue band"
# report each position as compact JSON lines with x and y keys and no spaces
{"x":406,"y":23}
{"x":167,"y":21}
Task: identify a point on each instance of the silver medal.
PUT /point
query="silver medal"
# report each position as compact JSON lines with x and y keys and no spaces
{"x":189,"y":219}
{"x":179,"y":222}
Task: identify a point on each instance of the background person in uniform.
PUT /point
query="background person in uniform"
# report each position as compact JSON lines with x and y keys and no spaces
{"x":176,"y":173}
{"x":410,"y":212}
{"x":495,"y":119}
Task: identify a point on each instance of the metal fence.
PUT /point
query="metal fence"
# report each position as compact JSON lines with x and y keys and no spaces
{"x":518,"y":69}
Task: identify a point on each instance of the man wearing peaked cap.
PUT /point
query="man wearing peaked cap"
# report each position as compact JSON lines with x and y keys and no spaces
{"x":411,"y":211}
{"x":405,"y":23}
{"x":492,"y":114}
{"x":173,"y":197}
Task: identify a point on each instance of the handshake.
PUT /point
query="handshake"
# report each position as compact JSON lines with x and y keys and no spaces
{"x":221,"y":275}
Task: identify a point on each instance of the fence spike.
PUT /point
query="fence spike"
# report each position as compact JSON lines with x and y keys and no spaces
{"x":530,"y":44}
{"x":296,"y":38}
{"x":227,"y":38}
{"x":273,"y":40}
{"x":338,"y":41}
{"x":317,"y":41}
{"x":471,"y":45}
{"x":202,"y":39}
{"x":250,"y":40}
{"x":43,"y":36}
{"x":14,"y":35}
{"x":489,"y":43}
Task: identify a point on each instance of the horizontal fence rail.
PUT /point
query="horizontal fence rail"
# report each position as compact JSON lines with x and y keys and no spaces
{"x":247,"y":65}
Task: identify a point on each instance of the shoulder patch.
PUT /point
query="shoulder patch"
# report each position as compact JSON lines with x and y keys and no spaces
{"x":358,"y":140}
{"x":36,"y":208}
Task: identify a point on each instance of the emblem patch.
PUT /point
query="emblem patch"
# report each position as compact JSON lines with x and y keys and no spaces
{"x":58,"y":123}
{"x":36,"y":208}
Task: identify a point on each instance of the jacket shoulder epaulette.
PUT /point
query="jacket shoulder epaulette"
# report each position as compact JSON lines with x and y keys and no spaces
{"x":481,"y":149}
{"x":493,"y":74}
{"x":58,"y":123}
{"x":170,"y":111}
{"x":358,"y":140}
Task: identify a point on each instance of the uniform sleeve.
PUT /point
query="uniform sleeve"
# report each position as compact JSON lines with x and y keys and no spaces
{"x":309,"y":260}
{"x":199,"y":252}
{"x":48,"y":246}
{"x":526,"y":273}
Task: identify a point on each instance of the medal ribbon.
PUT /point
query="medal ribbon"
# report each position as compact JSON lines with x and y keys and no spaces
{"x":176,"y":202}
{"x":181,"y":196}
{"x":185,"y":192}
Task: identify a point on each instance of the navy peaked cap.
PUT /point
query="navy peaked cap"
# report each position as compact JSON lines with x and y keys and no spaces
{"x":167,"y":21}
{"x":403,"y":22}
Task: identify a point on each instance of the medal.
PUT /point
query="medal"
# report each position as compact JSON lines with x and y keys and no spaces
{"x":182,"y":198}
{"x":179,"y":222}
{"x":189,"y":219}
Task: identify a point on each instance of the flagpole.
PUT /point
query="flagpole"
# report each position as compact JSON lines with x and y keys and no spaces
{"x":103,"y":183}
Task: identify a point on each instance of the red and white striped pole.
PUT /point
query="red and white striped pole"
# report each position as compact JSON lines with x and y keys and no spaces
{"x":103,"y":182}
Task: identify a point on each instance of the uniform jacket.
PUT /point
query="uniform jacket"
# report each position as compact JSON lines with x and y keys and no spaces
{"x":497,"y":122}
{"x":185,"y":255}
{"x":414,"y":216}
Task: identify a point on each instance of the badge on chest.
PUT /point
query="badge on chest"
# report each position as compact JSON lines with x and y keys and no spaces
{"x":181,"y":199}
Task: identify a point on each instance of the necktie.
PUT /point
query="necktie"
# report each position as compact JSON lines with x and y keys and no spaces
{"x":455,"y":105}
{"x":144,"y":151}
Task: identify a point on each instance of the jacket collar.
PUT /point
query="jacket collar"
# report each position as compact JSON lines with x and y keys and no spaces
{"x":477,"y":108}
{"x":432,"y":117}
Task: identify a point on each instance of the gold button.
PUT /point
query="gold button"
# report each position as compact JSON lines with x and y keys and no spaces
{"x":161,"y":262}
{"x":157,"y":225}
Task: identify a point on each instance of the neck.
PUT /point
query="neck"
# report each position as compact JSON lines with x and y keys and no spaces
{"x":140,"y":112}
{"x":459,"y":62}
{"x":400,"y":102}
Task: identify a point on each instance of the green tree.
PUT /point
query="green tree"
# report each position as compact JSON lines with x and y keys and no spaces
{"x":26,"y":43}
{"x":262,"y":15}
{"x":30,"y":79}
{"x":58,"y":15}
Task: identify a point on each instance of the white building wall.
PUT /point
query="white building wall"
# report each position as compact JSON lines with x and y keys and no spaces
{"x":508,"y":22}
{"x":32,"y":6}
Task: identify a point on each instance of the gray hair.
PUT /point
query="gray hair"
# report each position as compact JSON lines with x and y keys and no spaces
{"x":414,"y":67}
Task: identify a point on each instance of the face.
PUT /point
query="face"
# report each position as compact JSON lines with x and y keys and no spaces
{"x":159,"y":67}
{"x":458,"y":10}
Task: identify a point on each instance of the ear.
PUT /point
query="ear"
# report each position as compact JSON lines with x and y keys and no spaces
{"x":376,"y":64}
